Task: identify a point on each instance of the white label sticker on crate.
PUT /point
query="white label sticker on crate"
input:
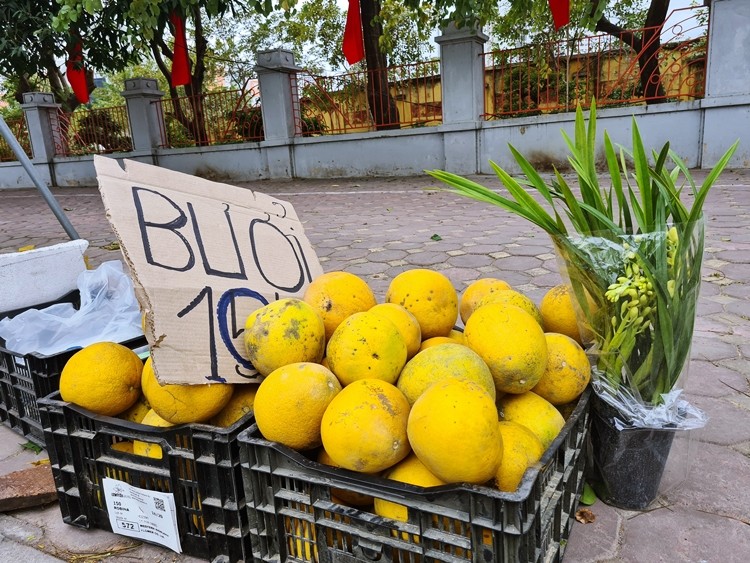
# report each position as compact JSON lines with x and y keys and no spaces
{"x":142,"y":514}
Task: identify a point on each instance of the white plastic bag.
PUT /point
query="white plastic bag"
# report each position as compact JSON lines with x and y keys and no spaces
{"x":109,"y":312}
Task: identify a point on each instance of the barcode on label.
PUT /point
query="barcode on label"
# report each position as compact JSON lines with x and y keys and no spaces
{"x":159,"y":504}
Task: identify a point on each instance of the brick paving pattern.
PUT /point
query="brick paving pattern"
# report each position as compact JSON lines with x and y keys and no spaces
{"x":377,"y":228}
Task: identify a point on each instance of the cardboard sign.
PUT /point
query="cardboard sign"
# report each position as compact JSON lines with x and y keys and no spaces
{"x":202,"y":256}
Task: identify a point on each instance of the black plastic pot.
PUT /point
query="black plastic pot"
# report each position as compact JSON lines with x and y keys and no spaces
{"x":628,"y":464}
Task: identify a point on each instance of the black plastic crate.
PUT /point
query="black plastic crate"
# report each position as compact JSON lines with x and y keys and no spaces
{"x":294,"y":517}
{"x":200,"y":466}
{"x":26,"y":378}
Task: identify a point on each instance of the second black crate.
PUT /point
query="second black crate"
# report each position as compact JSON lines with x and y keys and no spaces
{"x":295,"y":511}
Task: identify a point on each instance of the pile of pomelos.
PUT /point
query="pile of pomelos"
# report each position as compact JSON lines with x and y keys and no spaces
{"x":110,"y":379}
{"x":394,"y":389}
{"x":386,"y":388}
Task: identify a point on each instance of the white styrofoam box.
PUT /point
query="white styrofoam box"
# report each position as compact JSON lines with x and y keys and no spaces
{"x":40,"y":275}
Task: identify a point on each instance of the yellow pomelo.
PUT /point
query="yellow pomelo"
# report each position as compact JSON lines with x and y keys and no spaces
{"x":346,"y":497}
{"x":126,"y":446}
{"x":290,"y":403}
{"x":535,"y":413}
{"x":442,"y":362}
{"x":511,"y":343}
{"x":568,"y":370}
{"x":180,"y":404}
{"x":453,"y":430}
{"x":147,"y":449}
{"x":411,"y":471}
{"x":558,"y":309}
{"x":301,"y":536}
{"x":336,"y":296}
{"x":364,"y":427}
{"x":435,"y":341}
{"x":476,"y":291}
{"x":366,"y":345}
{"x":515,"y":298}
{"x":240,"y":405}
{"x":406,"y":323}
{"x":521,"y":449}
{"x":137,"y":411}
{"x":458,"y":336}
{"x":284,"y":332}
{"x":104,"y":378}
{"x":429,"y":296}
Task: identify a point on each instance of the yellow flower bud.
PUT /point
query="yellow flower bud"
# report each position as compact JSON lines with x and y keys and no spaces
{"x":672,"y":235}
{"x":670,"y":288}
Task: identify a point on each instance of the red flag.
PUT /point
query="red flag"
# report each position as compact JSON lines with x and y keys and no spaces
{"x":180,"y":63}
{"x":354,"y":42}
{"x":560,"y":12}
{"x":76,"y":74}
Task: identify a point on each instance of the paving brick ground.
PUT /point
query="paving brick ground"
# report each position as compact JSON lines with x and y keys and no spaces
{"x":377,"y":228}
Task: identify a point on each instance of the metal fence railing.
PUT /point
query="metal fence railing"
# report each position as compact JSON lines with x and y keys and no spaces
{"x":17,"y":126}
{"x":534,"y":79}
{"x":216,"y":118}
{"x":554,"y":77}
{"x":403,"y":96}
{"x":91,"y":131}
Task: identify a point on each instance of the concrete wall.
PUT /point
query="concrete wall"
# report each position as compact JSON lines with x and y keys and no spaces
{"x":540,"y":140}
{"x":698,"y":131}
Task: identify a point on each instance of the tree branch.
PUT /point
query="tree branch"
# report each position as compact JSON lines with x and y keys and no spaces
{"x":627,"y":36}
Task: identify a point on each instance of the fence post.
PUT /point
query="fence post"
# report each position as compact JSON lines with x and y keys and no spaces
{"x":462,"y":73}
{"x":279,"y":104}
{"x":726,"y":105}
{"x":279,"y":99}
{"x":728,"y":67}
{"x":146,"y":118}
{"x":462,"y":84}
{"x":42,"y":121}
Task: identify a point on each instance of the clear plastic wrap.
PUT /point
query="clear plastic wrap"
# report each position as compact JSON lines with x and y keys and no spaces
{"x":109,"y":311}
{"x":636,"y":297}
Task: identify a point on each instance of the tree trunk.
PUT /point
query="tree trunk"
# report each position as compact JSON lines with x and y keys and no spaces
{"x":382,"y":105}
{"x":648,"y":57}
{"x":197,"y":75}
{"x":195,"y":124}
{"x":646,"y":45}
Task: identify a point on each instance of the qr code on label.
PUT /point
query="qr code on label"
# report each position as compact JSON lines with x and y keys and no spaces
{"x":159,"y":504}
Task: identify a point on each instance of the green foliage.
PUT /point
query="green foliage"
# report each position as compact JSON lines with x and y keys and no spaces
{"x":313,"y":33}
{"x":519,"y":23}
{"x":32,"y":447}
{"x":143,"y":20}
{"x":248,"y":123}
{"x":178,"y":135}
{"x":406,"y":38}
{"x":29,"y":45}
{"x":98,"y":130}
{"x":110,"y":93}
{"x":10,"y":108}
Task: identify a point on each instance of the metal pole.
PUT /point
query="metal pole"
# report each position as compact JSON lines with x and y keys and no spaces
{"x":46,"y":194}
